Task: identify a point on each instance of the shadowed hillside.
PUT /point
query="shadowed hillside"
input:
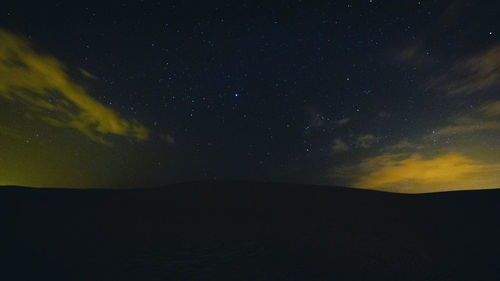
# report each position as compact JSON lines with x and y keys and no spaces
{"x":248,"y":231}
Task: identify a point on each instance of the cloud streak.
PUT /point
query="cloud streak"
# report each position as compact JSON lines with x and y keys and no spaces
{"x":40,"y":84}
{"x":476,"y":73}
{"x":483,"y":119}
{"x":491,"y":109}
{"x":470,"y":74}
{"x":468,"y":126}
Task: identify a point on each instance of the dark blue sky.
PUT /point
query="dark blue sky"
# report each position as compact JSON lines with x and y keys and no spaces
{"x":353,"y":93}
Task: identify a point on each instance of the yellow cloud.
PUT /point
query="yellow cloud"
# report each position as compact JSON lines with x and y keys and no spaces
{"x":491,"y":109}
{"x":8,"y":132}
{"x":413,"y":174}
{"x":447,"y":168}
{"x":40,"y":83}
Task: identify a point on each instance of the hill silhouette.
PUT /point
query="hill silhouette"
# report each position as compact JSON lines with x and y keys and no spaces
{"x":248,"y":231}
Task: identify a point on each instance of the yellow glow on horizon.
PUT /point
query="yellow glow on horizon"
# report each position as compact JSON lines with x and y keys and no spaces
{"x":414,"y":174}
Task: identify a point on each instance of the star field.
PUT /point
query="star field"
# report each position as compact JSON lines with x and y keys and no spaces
{"x":369,"y":94}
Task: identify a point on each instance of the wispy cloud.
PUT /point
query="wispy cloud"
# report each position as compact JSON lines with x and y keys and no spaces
{"x":467,"y":126}
{"x":365,"y":141}
{"x":482,"y":119}
{"x":491,"y":109}
{"x":339,"y":146}
{"x":342,"y":122}
{"x":8,"y":132}
{"x":476,"y":73}
{"x":465,"y":75}
{"x":167,"y":139}
{"x":40,"y":84}
{"x":407,"y":53}
{"x":404,"y":144}
{"x":87,"y":74}
{"x":384,"y":115}
{"x":452,"y":13}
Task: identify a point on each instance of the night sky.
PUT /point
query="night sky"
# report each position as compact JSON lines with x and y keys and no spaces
{"x":399,"y":96}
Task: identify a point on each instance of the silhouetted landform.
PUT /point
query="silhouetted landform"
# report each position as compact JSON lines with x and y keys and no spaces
{"x":248,"y":231}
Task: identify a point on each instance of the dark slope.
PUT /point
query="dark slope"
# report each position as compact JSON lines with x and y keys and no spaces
{"x":248,"y":231}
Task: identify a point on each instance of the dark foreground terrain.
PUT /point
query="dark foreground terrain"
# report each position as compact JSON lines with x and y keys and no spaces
{"x":248,"y":231}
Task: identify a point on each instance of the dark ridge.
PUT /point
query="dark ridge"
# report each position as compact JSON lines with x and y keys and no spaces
{"x":233,"y":230}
